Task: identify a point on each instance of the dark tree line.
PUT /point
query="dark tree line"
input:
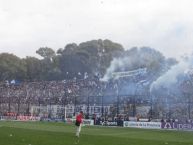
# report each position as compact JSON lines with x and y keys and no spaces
{"x":91,"y":57}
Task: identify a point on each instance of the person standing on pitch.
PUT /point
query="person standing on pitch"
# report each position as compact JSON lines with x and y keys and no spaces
{"x":78,"y":123}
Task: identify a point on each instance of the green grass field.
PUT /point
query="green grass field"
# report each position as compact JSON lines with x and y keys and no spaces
{"x":47,"y":133}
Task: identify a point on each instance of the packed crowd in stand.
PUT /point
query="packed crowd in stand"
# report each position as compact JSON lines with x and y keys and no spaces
{"x":19,"y":96}
{"x":16,"y":98}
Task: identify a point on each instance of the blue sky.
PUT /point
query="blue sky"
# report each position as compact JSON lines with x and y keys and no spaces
{"x":166,"y":25}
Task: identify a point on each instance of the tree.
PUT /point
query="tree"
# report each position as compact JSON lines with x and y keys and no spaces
{"x":11,"y":67}
{"x":46,"y":52}
{"x":33,"y":67}
{"x":92,"y":57}
{"x":50,"y":64}
{"x":72,"y":66}
{"x":101,"y":53}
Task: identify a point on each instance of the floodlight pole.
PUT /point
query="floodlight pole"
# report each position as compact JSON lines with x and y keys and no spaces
{"x":151,"y":104}
{"x":189,"y":108}
{"x":74,"y":104}
{"x":88,"y":105}
{"x":117,"y":100}
{"x":64,"y":113}
{"x":102,"y":106}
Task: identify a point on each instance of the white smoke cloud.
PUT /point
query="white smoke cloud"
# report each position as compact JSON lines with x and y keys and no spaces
{"x":170,"y":77}
{"x":116,"y":63}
